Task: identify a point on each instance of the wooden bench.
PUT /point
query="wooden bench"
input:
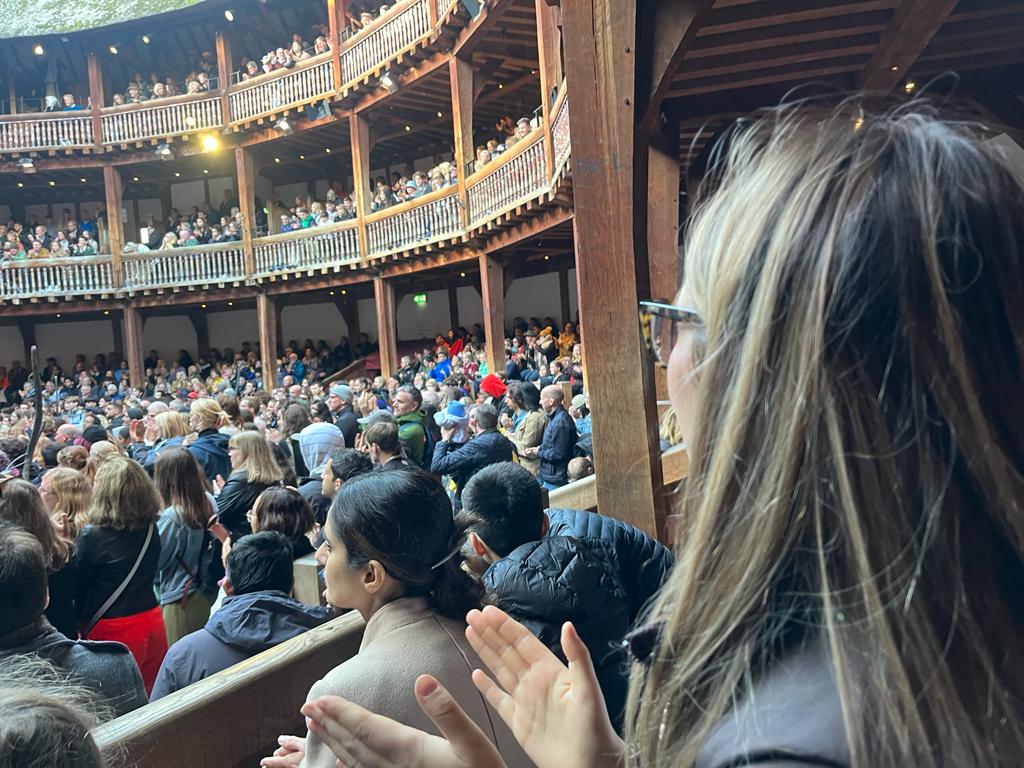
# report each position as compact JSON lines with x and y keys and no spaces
{"x":234,"y":717}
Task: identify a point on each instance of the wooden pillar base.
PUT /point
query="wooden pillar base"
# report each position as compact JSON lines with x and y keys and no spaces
{"x":266,"y":318}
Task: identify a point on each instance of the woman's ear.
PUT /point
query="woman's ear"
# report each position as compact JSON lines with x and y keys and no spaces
{"x":374,"y":577}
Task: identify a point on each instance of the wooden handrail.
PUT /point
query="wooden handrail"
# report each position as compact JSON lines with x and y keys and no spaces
{"x":164,"y":101}
{"x":535,"y":135}
{"x":379,"y":22}
{"x":300,"y":234}
{"x":233,"y":717}
{"x":232,"y":245}
{"x":408,"y":205}
{"x":26,"y":117}
{"x":70,"y":261}
{"x":277,"y":74}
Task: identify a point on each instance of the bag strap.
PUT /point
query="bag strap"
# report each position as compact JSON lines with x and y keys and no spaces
{"x":120,"y":587}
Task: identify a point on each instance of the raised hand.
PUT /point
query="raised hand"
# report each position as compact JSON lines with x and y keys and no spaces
{"x":360,"y":738}
{"x":556,"y":713}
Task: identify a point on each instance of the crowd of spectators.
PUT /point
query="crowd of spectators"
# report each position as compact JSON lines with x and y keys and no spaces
{"x":507,"y":135}
{"x":287,"y":56}
{"x":50,"y":238}
{"x":412,"y":184}
{"x":139,"y":88}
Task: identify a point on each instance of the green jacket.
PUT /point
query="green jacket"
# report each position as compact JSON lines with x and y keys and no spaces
{"x":412,"y":433}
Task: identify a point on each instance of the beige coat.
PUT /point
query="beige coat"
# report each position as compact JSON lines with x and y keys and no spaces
{"x":529,"y":435}
{"x":403,"y":640}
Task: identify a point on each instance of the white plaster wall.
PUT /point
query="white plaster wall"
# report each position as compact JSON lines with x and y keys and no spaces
{"x":186,"y":194}
{"x":418,"y":321}
{"x":167,"y":335}
{"x":10,"y":345}
{"x":471,"y":306}
{"x":367,"y":317}
{"x":312,"y":321}
{"x":68,"y":337}
{"x":537,"y":296}
{"x":230,"y":329}
{"x":5,"y":213}
{"x":217,"y":187}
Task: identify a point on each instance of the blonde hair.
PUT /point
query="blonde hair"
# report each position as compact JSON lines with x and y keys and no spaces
{"x":257,"y":460}
{"x":172,"y":424}
{"x":73,"y":492}
{"x":855,"y":478}
{"x":123,"y":497}
{"x":100,"y":452}
{"x":74,"y":456}
{"x":209,"y":414}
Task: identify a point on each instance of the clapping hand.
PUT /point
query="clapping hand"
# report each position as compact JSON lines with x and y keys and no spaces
{"x":447,"y":433}
{"x":288,"y":755}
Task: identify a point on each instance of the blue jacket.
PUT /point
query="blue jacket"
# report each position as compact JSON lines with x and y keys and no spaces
{"x":184,"y":554}
{"x":244,"y":626}
{"x":211,"y":451}
{"x":461,"y":462}
{"x":557,"y":448}
{"x":592,"y":570}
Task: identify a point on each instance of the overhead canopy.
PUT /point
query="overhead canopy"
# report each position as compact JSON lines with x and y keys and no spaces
{"x":58,"y":17}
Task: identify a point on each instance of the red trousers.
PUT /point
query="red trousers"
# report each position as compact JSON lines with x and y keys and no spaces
{"x":145,"y":636}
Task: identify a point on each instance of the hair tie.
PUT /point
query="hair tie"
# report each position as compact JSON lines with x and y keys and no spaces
{"x":458,"y":546}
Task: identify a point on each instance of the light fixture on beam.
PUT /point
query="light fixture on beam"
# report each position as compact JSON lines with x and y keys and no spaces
{"x":146,"y":39}
{"x":113,"y":49}
{"x":27,"y":164}
{"x":164,"y":152}
{"x":909,"y":86}
{"x":388,"y":80}
{"x":210,"y":142}
{"x":229,"y":15}
{"x":38,"y":49}
{"x":284,"y":126}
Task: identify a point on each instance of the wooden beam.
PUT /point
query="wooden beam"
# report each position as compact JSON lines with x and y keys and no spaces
{"x":245,"y":170}
{"x":913,"y":24}
{"x":224,"y":67}
{"x":27,"y":329}
{"x":133,"y":351}
{"x":387,"y":332}
{"x":668,"y":29}
{"x":563,"y":295}
{"x":335,"y":23}
{"x":492,"y":295}
{"x":266,"y":318}
{"x":460,"y":73}
{"x":529,"y":229}
{"x":453,"y":307}
{"x":663,"y":182}
{"x":95,"y":97}
{"x":202,"y":330}
{"x":599,"y":36}
{"x":549,"y":44}
{"x":359,"y":138}
{"x":475,"y":33}
{"x":113,"y":191}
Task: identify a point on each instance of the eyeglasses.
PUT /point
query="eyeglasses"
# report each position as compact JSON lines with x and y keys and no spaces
{"x":660,"y":326}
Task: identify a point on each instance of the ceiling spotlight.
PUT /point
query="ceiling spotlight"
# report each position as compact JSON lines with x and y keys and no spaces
{"x":909,"y":86}
{"x":302,"y":157}
{"x":38,"y":49}
{"x":440,"y":114}
{"x":106,"y":311}
{"x":210,"y":143}
{"x":327,"y":150}
{"x":331,"y":292}
{"x":21,"y":185}
{"x":203,"y":306}
{"x":229,"y":15}
{"x":894,"y":68}
{"x":462,"y":274}
{"x":547,"y":258}
{"x":135,"y":178}
{"x":388,"y":81}
{"x":113,"y":49}
{"x":500,"y":86}
{"x":344,"y":292}
{"x":58,"y":314}
{"x":205,"y":170}
{"x":407,"y":129}
{"x":82,"y":180}
{"x":163,"y":151}
{"x":231,"y":303}
{"x":52,"y":183}
{"x":26,"y":164}
{"x":145,"y":39}
{"x":177,"y":174}
{"x":283,"y":126}
{"x":277,"y":159}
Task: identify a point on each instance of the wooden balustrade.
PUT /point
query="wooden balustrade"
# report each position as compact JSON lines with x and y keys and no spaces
{"x":433,"y":217}
{"x":55,"y":277}
{"x":53,"y":130}
{"x":560,"y":130}
{"x":400,"y":28}
{"x":307,"y":82}
{"x":313,"y":248}
{"x":199,"y":265}
{"x":161,"y":118}
{"x":232,"y":718}
{"x":515,"y":177}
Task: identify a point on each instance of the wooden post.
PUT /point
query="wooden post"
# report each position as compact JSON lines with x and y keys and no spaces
{"x":95,"y":97}
{"x":27,"y":329}
{"x":12,"y":94}
{"x":246,"y":170}
{"x":224,"y":61}
{"x":266,"y":318}
{"x":563,"y":295}
{"x":202,"y":329}
{"x":349,"y":310}
{"x":387,"y":332}
{"x":549,"y":42}
{"x":600,"y":37}
{"x":359,"y":134}
{"x":114,"y":191}
{"x":453,"y":307}
{"x":663,"y":180}
{"x":460,"y":73}
{"x":335,"y":23}
{"x":492,"y":295}
{"x":133,"y":352}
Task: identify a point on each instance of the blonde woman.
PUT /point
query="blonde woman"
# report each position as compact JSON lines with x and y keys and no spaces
{"x":67,"y":493}
{"x":253,"y":470}
{"x":172,"y":427}
{"x":845,"y":364}
{"x":169,"y":242}
{"x":118,"y":530}
{"x":100,"y":452}
{"x":209,"y":445}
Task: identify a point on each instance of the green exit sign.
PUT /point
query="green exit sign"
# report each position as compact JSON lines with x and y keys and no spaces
{"x":419,"y":298}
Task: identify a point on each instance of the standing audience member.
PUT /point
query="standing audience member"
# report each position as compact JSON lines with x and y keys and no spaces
{"x":118,"y":549}
{"x":187,"y":550}
{"x":556,"y":449}
{"x":257,"y":614}
{"x":487,"y":446}
{"x":209,"y":446}
{"x":342,"y":466}
{"x":527,"y":425}
{"x":411,"y":426}
{"x":67,"y":494}
{"x":339,"y":400}
{"x":316,"y":443}
{"x":254,"y":470}
{"x":384,"y":447}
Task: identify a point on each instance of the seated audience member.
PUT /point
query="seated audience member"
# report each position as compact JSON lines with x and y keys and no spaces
{"x":844,"y":361}
{"x":21,"y":504}
{"x":487,"y":446}
{"x":547,"y":568}
{"x":258,"y":613}
{"x":286,"y":511}
{"x":579,"y":468}
{"x":394,"y":553}
{"x":385,"y":449}
{"x":107,"y":668}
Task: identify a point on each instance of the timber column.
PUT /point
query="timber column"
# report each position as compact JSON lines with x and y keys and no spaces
{"x":113,"y":190}
{"x":599,"y":37}
{"x":492,"y":294}
{"x":387,"y":331}
{"x":132,"y":338}
{"x":246,"y":174}
{"x":266,"y":318}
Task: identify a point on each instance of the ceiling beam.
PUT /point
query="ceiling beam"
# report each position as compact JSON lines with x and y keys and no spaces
{"x":669,"y":28}
{"x":913,"y":25}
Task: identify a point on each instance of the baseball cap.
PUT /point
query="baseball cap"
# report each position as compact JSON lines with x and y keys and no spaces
{"x":378,"y":415}
{"x":343,"y":391}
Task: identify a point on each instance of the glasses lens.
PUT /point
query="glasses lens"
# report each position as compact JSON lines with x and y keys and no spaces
{"x":663,"y":337}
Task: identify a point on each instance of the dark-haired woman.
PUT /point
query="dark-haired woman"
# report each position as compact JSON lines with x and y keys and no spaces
{"x":393,"y":552}
{"x":183,"y":579}
{"x":526,"y":428}
{"x":286,"y":511}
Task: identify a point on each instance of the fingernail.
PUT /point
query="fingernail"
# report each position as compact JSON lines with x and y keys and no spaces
{"x":428,"y":688}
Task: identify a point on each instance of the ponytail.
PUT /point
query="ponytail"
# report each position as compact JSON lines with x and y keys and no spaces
{"x":455,"y":592}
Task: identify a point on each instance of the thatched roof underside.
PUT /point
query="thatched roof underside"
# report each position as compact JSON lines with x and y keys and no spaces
{"x":37,"y":18}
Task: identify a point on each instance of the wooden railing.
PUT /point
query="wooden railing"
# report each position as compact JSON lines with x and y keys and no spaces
{"x":161,"y":118}
{"x":508,"y":181}
{"x":400,"y":28}
{"x":55,"y":277}
{"x":200,"y":265}
{"x":314,"y":248}
{"x":307,"y":82}
{"x":232,"y":718}
{"x":560,"y":130}
{"x":54,"y":130}
{"x":428,"y":219}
